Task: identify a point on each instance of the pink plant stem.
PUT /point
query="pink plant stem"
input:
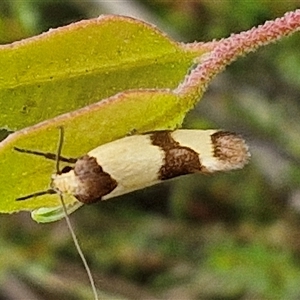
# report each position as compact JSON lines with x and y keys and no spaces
{"x":229,"y":49}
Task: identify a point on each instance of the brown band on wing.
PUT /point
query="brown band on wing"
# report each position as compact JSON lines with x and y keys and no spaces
{"x":94,"y":183}
{"x":179,"y":160}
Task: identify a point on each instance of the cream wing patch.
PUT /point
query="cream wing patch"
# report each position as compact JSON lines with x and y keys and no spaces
{"x":132,"y":161}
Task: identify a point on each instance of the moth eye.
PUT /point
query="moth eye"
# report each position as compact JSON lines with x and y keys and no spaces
{"x":66,"y":169}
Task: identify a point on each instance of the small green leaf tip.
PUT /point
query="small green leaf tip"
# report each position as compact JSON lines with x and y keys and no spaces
{"x":53,"y":214}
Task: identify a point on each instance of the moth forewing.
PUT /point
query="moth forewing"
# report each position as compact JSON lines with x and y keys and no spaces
{"x":138,"y":161}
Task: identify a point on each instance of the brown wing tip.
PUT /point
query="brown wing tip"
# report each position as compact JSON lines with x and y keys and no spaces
{"x":230,"y":149}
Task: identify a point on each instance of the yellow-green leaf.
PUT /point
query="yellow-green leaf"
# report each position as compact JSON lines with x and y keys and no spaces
{"x":76,"y":65}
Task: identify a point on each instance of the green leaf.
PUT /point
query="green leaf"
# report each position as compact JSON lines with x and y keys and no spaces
{"x":52,"y":214}
{"x":76,"y":65}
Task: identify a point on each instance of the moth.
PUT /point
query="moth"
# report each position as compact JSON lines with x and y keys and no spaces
{"x":135,"y":162}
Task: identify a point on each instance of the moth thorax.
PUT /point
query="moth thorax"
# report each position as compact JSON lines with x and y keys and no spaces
{"x":87,"y":181}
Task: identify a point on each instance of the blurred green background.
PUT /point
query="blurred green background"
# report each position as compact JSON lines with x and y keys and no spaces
{"x":228,"y":236}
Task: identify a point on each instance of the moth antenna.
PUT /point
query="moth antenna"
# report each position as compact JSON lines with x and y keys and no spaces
{"x":47,"y":192}
{"x":59,"y":148}
{"x":69,"y":224}
{"x":78,"y":248}
{"x":47,"y":155}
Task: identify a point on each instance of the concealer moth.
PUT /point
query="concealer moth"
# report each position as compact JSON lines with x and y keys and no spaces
{"x":137,"y":161}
